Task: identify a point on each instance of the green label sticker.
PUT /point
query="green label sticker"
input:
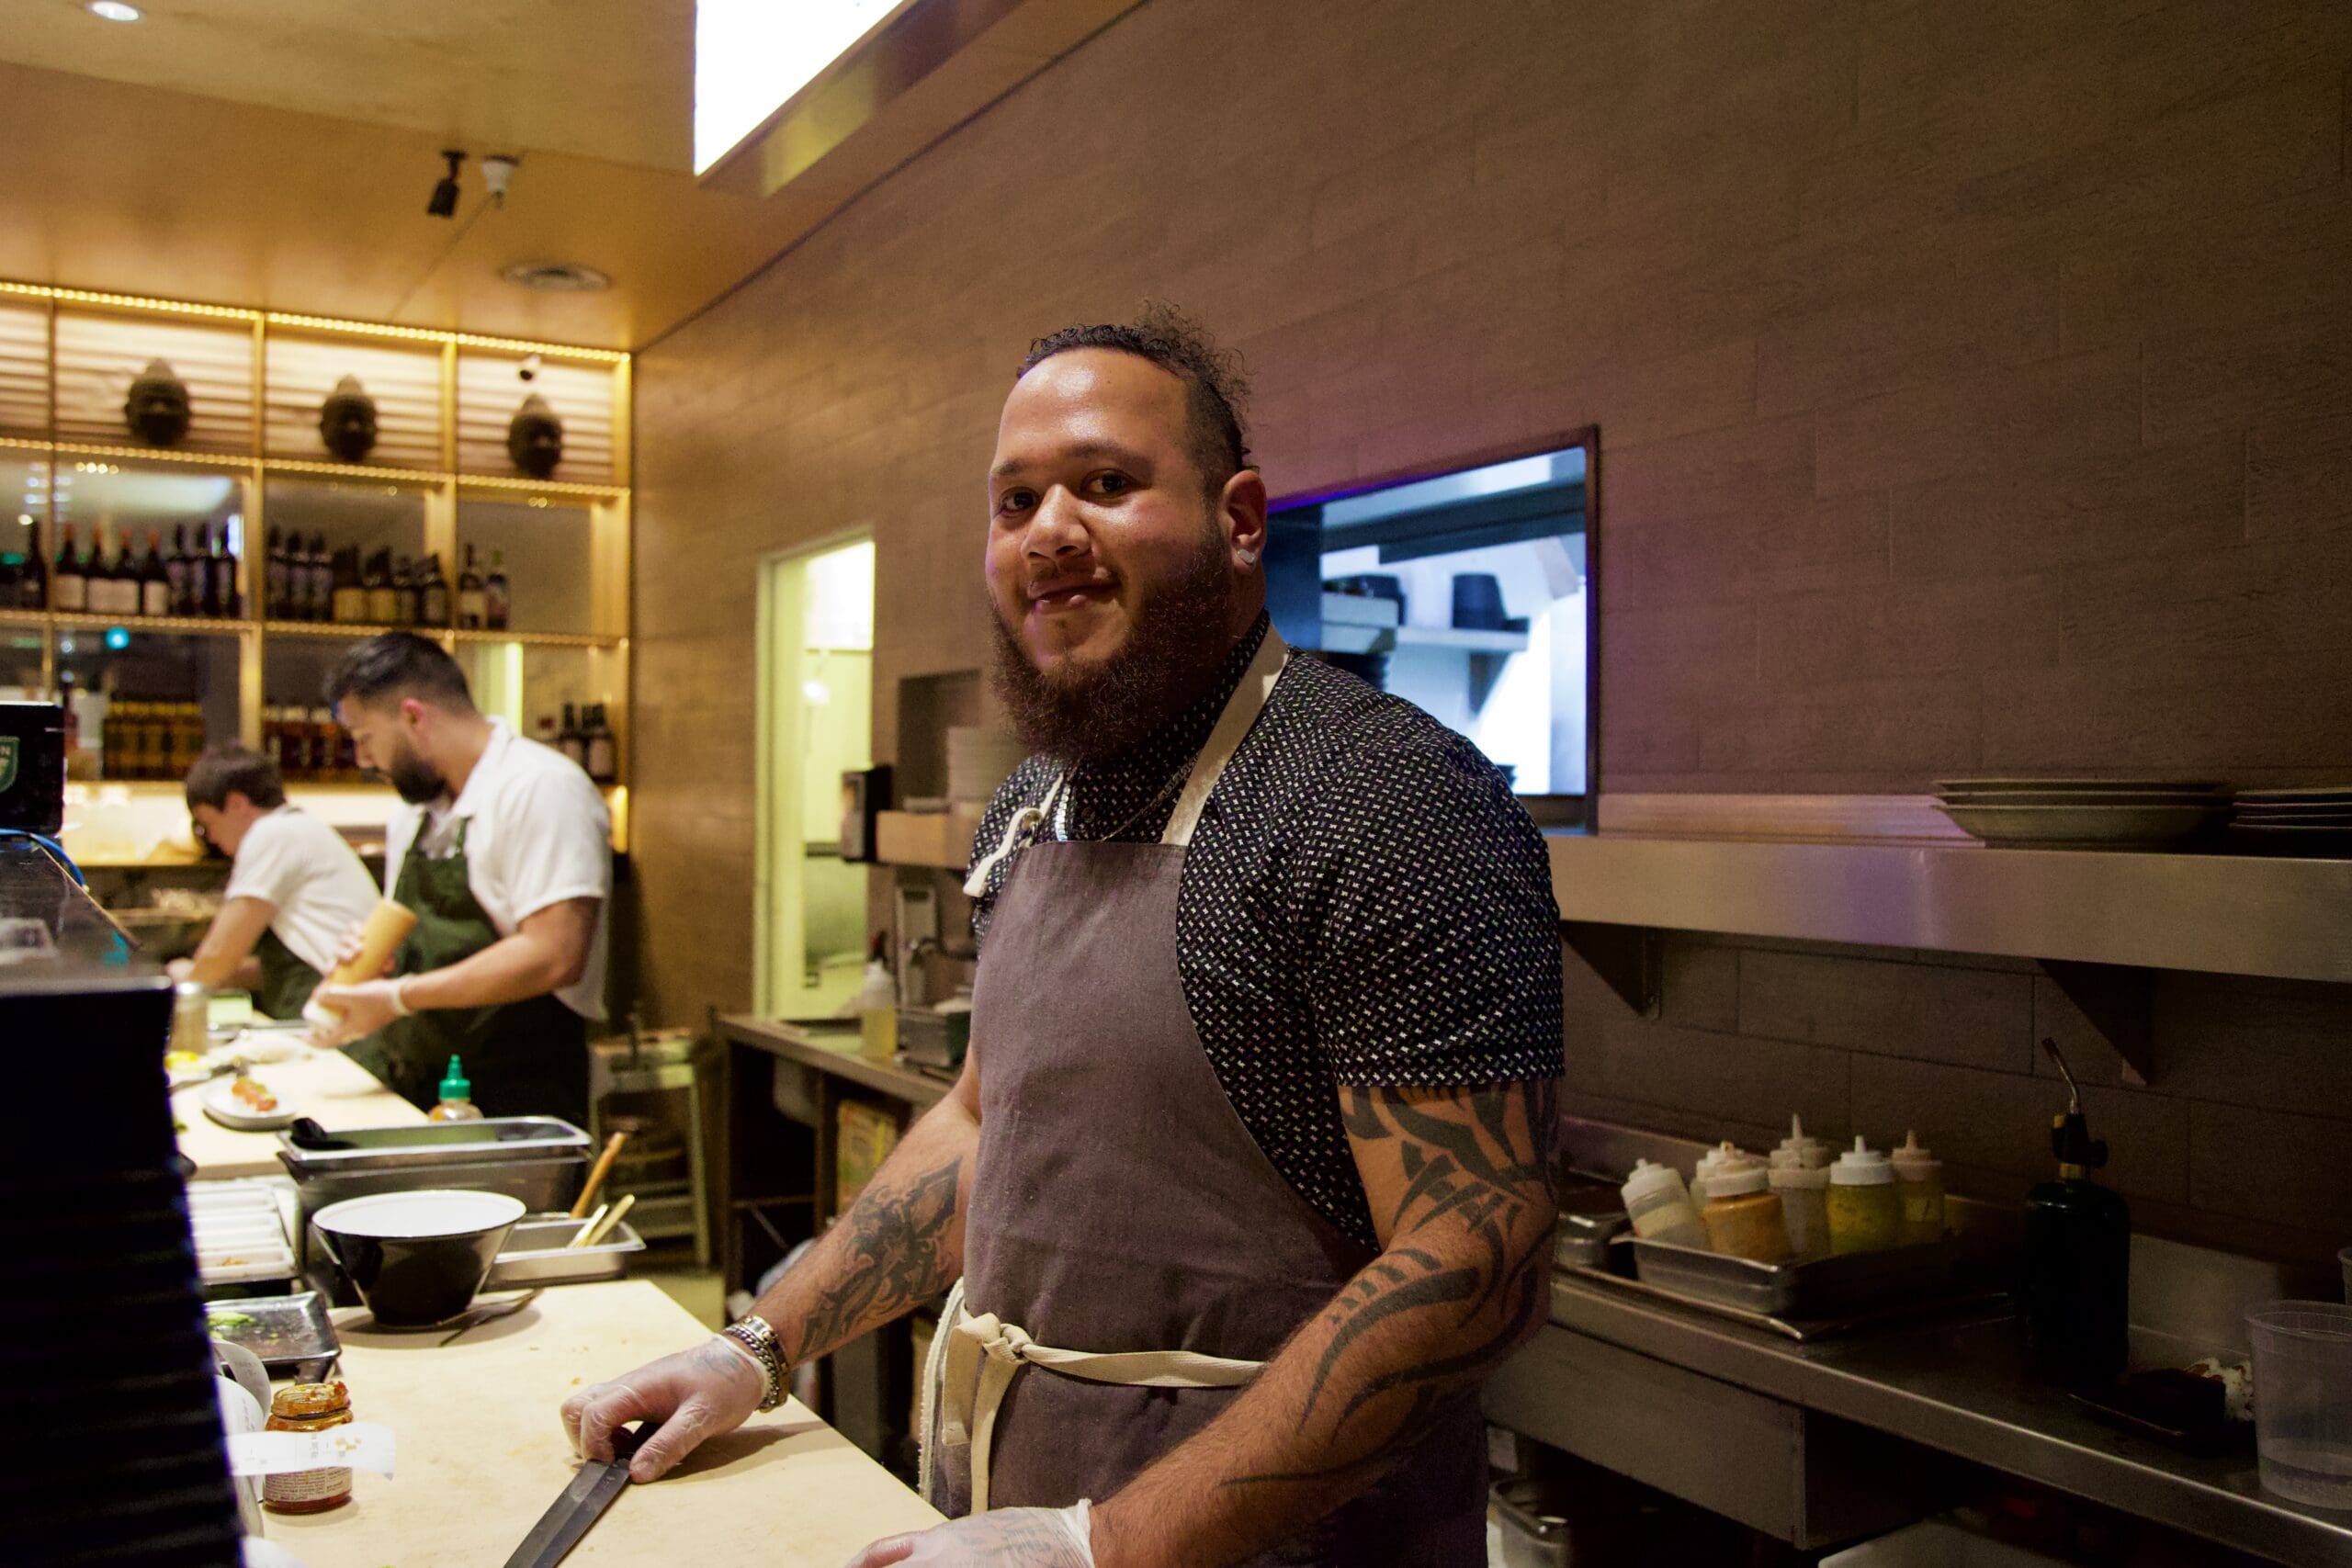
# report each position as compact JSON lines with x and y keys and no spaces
{"x":8,"y":747}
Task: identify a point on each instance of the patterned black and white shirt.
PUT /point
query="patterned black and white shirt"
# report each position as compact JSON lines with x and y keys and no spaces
{"x":1363,"y":903}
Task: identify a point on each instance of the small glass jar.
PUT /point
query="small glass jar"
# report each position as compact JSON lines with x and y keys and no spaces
{"x":307,"y":1408}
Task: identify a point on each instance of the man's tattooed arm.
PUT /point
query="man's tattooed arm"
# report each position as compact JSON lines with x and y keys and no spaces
{"x":900,"y":1245}
{"x":1461,"y":1188}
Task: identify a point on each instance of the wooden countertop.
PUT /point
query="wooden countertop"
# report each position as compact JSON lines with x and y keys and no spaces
{"x":324,"y":1085}
{"x":483,"y":1453}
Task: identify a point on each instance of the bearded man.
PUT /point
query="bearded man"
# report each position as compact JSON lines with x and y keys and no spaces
{"x":1247,"y":1177}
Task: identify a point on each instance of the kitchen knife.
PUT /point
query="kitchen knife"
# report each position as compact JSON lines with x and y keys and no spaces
{"x":584,"y":1501}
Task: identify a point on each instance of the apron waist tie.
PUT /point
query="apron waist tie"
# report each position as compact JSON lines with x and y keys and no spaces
{"x":984,"y":1354}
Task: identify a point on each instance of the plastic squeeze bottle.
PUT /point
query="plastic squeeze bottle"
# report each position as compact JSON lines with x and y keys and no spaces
{"x":1743,"y":1219}
{"x":456,"y":1097}
{"x":1920,"y":1191}
{"x":1796,"y":1149}
{"x":1725,"y":1156}
{"x":1864,"y":1214}
{"x":1660,"y":1206}
{"x":1804,"y":1208}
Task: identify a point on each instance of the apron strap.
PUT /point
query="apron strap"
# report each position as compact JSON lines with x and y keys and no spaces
{"x":985,"y":1353}
{"x":1024,"y":821}
{"x":1242,"y":711}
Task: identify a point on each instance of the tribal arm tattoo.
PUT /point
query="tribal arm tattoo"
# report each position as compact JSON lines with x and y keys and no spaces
{"x":1463,"y":1194}
{"x":899,"y":1245}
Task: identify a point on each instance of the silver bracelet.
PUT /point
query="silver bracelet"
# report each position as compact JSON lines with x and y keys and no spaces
{"x":754,"y":1334}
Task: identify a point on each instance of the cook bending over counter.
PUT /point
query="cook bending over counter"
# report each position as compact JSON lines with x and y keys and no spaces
{"x":1247,"y":1176}
{"x":295,"y":886}
{"x":503,"y":849}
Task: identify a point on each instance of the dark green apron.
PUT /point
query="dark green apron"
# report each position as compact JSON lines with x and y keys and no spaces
{"x":526,"y":1058}
{"x":285,"y":981}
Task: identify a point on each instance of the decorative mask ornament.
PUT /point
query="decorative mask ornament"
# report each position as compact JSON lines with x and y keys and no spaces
{"x":534,"y":438}
{"x":156,"y":410}
{"x":348,"y":421}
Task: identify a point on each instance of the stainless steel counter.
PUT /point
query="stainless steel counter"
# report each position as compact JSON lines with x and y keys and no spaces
{"x":1960,"y":1387}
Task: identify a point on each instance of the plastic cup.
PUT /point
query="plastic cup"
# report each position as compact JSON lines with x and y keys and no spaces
{"x":2303,"y":1400}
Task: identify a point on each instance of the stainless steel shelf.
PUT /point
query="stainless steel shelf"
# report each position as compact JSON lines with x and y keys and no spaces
{"x":2226,"y":914}
{"x":1959,"y":1387}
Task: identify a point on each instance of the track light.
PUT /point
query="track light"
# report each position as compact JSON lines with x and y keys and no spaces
{"x":497,"y":173}
{"x":445,"y":194}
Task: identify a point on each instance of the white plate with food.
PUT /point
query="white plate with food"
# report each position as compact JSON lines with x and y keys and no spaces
{"x":247,"y":1106}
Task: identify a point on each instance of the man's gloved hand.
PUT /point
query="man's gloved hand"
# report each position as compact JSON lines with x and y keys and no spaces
{"x":1001,"y":1538}
{"x":691,"y":1395}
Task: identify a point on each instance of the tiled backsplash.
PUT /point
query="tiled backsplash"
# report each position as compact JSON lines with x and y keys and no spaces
{"x":2237,"y":1142}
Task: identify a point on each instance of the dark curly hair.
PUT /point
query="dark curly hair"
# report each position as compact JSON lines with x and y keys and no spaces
{"x":1214,"y":384}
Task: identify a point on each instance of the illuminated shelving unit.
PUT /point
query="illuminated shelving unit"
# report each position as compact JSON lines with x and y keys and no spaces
{"x":437,"y":481}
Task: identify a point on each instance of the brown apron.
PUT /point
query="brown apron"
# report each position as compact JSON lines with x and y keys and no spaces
{"x":1131,"y":1256}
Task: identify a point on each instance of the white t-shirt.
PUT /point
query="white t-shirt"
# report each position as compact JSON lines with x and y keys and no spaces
{"x":537,"y":834}
{"x":316,"y":882}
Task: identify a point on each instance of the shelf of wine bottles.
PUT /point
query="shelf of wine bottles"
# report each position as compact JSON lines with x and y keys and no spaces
{"x":310,"y":747}
{"x":193,"y":579}
{"x":585,"y":736}
{"x":150,"y":740}
{"x":306,"y":581}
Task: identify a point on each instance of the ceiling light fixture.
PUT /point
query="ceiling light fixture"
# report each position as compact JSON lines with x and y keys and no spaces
{"x":444,"y":194}
{"x":497,"y":173}
{"x":116,"y":11}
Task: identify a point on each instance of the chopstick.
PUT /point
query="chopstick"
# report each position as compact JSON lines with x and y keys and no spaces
{"x":580,"y":1236}
{"x":596,"y":1177}
{"x":599,"y":1228}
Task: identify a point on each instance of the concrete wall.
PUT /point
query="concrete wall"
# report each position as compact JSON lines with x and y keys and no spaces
{"x":1972,"y":382}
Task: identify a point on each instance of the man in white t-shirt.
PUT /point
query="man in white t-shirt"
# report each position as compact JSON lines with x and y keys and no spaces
{"x":504,"y":850}
{"x":296,"y":887}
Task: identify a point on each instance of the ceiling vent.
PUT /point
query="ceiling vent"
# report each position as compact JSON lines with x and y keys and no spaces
{"x":558,"y":277}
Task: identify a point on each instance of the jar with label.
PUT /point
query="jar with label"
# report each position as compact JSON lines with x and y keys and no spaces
{"x":1743,"y":1219}
{"x":1920,"y":1190}
{"x":307,"y":1408}
{"x":1804,"y":1208}
{"x":1864,"y":1214}
{"x":1660,"y":1206}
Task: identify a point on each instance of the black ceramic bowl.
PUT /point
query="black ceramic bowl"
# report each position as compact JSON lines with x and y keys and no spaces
{"x":417,"y":1257}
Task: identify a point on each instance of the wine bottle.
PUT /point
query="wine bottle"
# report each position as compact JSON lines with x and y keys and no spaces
{"x":432,"y":598}
{"x":176,"y":575}
{"x":495,"y":602}
{"x":107,"y":582}
{"x":154,"y":579}
{"x":405,"y":593}
{"x":32,"y":590}
{"x":224,"y":575}
{"x":350,"y":599}
{"x":470,"y":596}
{"x":570,"y":740}
{"x":383,"y":604}
{"x":275,"y":576}
{"x":70,"y":583}
{"x":603,"y":757}
{"x":318,"y":578}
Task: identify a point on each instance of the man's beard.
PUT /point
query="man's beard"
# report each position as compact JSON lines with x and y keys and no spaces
{"x":1087,"y":712}
{"x":413,"y":779}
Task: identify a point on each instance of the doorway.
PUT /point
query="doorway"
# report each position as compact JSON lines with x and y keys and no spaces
{"x":816,"y":714}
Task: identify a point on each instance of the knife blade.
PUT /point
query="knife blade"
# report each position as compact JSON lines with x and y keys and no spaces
{"x":584,"y":1501}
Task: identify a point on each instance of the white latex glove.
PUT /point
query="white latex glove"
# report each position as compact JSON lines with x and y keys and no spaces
{"x":1001,"y":1538}
{"x":694,"y":1394}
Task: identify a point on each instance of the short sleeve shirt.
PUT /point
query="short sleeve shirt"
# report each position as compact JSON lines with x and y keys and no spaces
{"x":536,"y":833}
{"x":1364,"y":903}
{"x":315,"y":881}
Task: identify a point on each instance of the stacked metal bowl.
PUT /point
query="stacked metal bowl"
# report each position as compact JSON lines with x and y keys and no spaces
{"x":2082,"y":813}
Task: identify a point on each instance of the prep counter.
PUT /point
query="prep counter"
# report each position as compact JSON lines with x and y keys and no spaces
{"x":481,"y":1452}
{"x":326,"y":1086}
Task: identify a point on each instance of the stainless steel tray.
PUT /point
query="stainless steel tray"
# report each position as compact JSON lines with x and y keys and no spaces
{"x":536,"y":1253}
{"x":538,"y":1159}
{"x":1821,"y":1288}
{"x":292,"y":1335}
